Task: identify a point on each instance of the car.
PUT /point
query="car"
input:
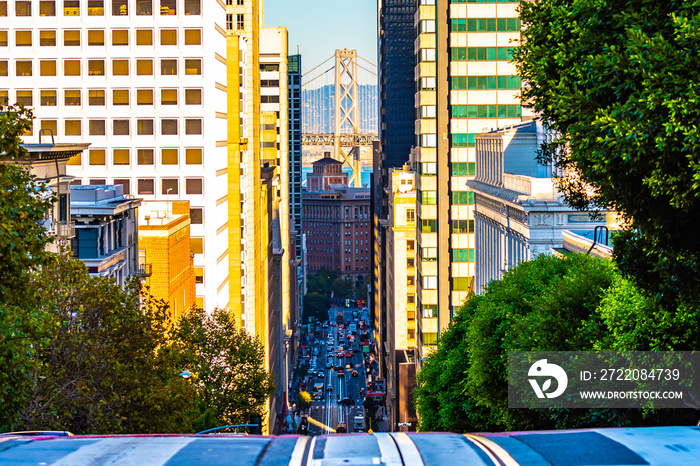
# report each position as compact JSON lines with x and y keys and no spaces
{"x":349,"y":353}
{"x":338,"y":368}
{"x":354,"y":373}
{"x":348,"y":366}
{"x":329,"y":364}
{"x":340,"y":373}
{"x":329,"y":388}
{"x":321,"y":374}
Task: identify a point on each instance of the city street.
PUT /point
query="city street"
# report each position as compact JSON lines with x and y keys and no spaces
{"x":338,"y":380}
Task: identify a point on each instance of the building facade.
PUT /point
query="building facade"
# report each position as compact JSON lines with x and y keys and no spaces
{"x":519,"y":213}
{"x":465,"y":85}
{"x":326,"y":171}
{"x":166,"y":247}
{"x":336,"y":224}
{"x":106,"y":231}
{"x":141,"y":81}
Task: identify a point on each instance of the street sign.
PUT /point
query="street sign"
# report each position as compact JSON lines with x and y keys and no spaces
{"x":365,"y":349}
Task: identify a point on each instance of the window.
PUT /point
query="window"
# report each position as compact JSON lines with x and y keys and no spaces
{"x":97,"y":157}
{"x":146,"y":186}
{"x":71,"y":67}
{"x":97,"y":128}
{"x":168,"y":96}
{"x":193,"y":97}
{"x":229,"y":22}
{"x":96,"y":8}
{"x":23,"y":8}
{"x":426,"y":55}
{"x":168,"y":37}
{"x":120,"y":97}
{"x":429,"y":310}
{"x":168,"y":156}
{"x":427,"y":111}
{"x":125,"y":184}
{"x":71,"y":38}
{"x":199,"y":278}
{"x":196,"y":216}
{"x":426,"y":26}
{"x":410,"y":215}
{"x":462,"y":197}
{"x":193,"y":156}
{"x":193,"y":37}
{"x":145,"y":157}
{"x":96,"y":67}
{"x":144,"y":67}
{"x":73,"y":127}
{"x":167,"y":7}
{"x":47,"y":8}
{"x":98,"y":181}
{"x":193,"y":126}
{"x":463,"y":140}
{"x":463,"y":255}
{"x":25,"y":98}
{"x":192,"y":7}
{"x":144,"y":7}
{"x":269,"y":99}
{"x":23,"y":38}
{"x":96,"y":37}
{"x":3,"y":38}
{"x":120,"y":7}
{"x":169,"y":186}
{"x":47,"y":38}
{"x":120,"y":156}
{"x":193,"y":186}
{"x":71,"y":97}
{"x":3,"y":8}
{"x":269,"y":67}
{"x":71,"y":8}
{"x":96,"y":97}
{"x":240,"y":22}
{"x":463,"y":169}
{"x":193,"y":66}
{"x":462,"y":283}
{"x":429,"y":254}
{"x":168,"y":127}
{"x":197,"y":245}
{"x":144,"y":127}
{"x":120,"y":128}
{"x":430,"y":283}
{"x":168,"y":67}
{"x":269,"y":83}
{"x":144,"y":37}
{"x":120,"y":37}
{"x":120,"y":67}
{"x":459,"y":25}
{"x":428,"y":197}
{"x":49,"y":125}
{"x":47,"y":99}
{"x":23,"y":68}
{"x":144,"y":96}
{"x":428,"y":225}
{"x":462,"y":226}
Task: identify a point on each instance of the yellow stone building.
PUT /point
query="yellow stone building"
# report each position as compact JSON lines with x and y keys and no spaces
{"x":164,"y":235}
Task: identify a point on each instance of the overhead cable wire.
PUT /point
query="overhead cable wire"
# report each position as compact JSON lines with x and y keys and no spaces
{"x":313,"y":79}
{"x":318,"y":66}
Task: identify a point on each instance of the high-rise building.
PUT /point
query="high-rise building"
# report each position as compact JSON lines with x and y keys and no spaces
{"x":465,"y":85}
{"x":143,"y":83}
{"x":294,"y":126}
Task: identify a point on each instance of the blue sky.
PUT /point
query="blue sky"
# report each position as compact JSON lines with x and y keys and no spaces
{"x":319,"y":27}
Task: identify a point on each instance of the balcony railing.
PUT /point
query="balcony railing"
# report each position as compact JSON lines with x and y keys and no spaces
{"x":65,"y":230}
{"x":143,"y":270}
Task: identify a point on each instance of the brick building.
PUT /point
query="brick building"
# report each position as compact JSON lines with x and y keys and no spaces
{"x":337,"y":223}
{"x":326,"y":172}
{"x":164,"y":237}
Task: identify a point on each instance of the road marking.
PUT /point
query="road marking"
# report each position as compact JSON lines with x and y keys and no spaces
{"x":298,"y":453}
{"x":387,"y":448}
{"x":126,"y":451}
{"x":408,"y":449}
{"x":497,"y":454}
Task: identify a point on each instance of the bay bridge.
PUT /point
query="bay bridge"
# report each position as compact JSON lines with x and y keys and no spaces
{"x":340,"y":109}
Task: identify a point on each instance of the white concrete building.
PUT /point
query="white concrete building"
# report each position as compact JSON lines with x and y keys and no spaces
{"x":142,"y":81}
{"x":518,"y":210}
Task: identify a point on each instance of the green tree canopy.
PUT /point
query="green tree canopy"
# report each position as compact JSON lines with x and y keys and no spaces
{"x":617,"y":81}
{"x":577,"y":303}
{"x":316,"y":305}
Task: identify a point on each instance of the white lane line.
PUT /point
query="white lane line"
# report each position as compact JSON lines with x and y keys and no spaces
{"x":387,"y":448}
{"x":495,"y":452}
{"x":298,"y":452}
{"x":126,"y":451}
{"x":310,"y":459}
{"x":408,"y":449}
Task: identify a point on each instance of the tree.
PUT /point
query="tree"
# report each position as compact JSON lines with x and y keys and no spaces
{"x":227,"y":365}
{"x":616,"y":80}
{"x":316,"y":306}
{"x":303,"y":400}
{"x":105,"y":367}
{"x":342,"y":288}
{"x":321,"y":282}
{"x":23,"y":204}
{"x":577,"y":303}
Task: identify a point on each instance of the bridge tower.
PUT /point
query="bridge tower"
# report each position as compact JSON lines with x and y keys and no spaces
{"x":346,"y":113}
